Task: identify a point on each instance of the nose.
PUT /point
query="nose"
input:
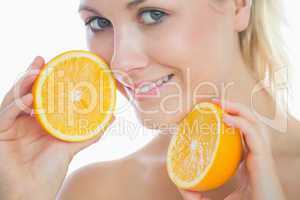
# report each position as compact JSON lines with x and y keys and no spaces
{"x":128,"y":54}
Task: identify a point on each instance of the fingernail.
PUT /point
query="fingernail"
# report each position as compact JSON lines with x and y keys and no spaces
{"x":32,"y":69}
{"x":215,"y":100}
{"x":32,"y":113}
{"x":226,"y":117}
{"x":32,"y":76}
{"x":228,"y":120}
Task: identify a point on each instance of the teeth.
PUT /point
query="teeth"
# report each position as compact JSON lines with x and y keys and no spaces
{"x":166,"y":79}
{"x":146,"y":88}
{"x":159,"y":82}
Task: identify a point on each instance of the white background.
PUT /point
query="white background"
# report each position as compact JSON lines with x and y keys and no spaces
{"x":47,"y":28}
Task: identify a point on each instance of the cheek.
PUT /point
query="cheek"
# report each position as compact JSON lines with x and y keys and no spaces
{"x":193,"y":42}
{"x":104,"y":48}
{"x":101,"y":44}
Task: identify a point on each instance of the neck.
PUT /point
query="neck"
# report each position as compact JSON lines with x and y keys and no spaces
{"x":282,"y":128}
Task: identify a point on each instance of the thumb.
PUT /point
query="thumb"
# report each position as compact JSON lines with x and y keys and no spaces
{"x":189,"y":195}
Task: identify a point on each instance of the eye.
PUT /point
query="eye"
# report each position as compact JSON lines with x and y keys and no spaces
{"x":151,"y":16}
{"x":97,"y":23}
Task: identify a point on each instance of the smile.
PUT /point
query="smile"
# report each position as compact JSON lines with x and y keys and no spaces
{"x":148,"y":87}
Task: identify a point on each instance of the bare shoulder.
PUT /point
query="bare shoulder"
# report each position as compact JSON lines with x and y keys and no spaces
{"x":94,"y":181}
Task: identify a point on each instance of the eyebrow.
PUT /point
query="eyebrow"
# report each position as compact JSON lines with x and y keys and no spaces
{"x":135,"y":3}
{"x":87,"y":8}
{"x":130,"y":5}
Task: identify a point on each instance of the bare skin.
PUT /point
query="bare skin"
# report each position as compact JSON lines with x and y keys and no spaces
{"x":143,"y":175}
{"x":27,"y":151}
{"x":136,"y":178}
{"x":147,"y":53}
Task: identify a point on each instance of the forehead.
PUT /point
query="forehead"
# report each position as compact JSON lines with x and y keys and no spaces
{"x":126,"y":3}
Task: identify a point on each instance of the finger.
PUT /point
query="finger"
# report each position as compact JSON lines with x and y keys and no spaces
{"x":235,"y":108}
{"x":189,"y":195}
{"x":9,"y":114}
{"x":24,"y":84}
{"x":242,"y":179}
{"x":245,"y":148}
{"x":252,"y":137}
{"x":21,"y":88}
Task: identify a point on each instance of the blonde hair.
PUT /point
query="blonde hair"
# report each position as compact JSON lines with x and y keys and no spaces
{"x":263,"y":48}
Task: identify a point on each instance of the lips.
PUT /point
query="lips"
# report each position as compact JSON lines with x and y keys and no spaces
{"x":145,"y":87}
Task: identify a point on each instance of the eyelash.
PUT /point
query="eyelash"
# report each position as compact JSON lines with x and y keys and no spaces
{"x":91,"y":19}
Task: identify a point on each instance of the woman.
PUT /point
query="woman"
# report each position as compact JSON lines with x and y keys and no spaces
{"x":191,"y":51}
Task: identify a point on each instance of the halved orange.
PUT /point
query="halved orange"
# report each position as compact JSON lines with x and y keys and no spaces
{"x":205,"y":152}
{"x":74,"y":96}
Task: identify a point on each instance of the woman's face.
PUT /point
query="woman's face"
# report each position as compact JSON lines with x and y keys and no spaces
{"x":163,"y":53}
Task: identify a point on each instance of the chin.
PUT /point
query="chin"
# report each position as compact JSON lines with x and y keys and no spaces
{"x":160,"y":120}
{"x":165,"y":109}
{"x":158,"y":123}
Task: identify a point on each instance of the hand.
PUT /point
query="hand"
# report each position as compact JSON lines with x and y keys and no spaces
{"x":33,"y":163}
{"x":258,"y":179}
